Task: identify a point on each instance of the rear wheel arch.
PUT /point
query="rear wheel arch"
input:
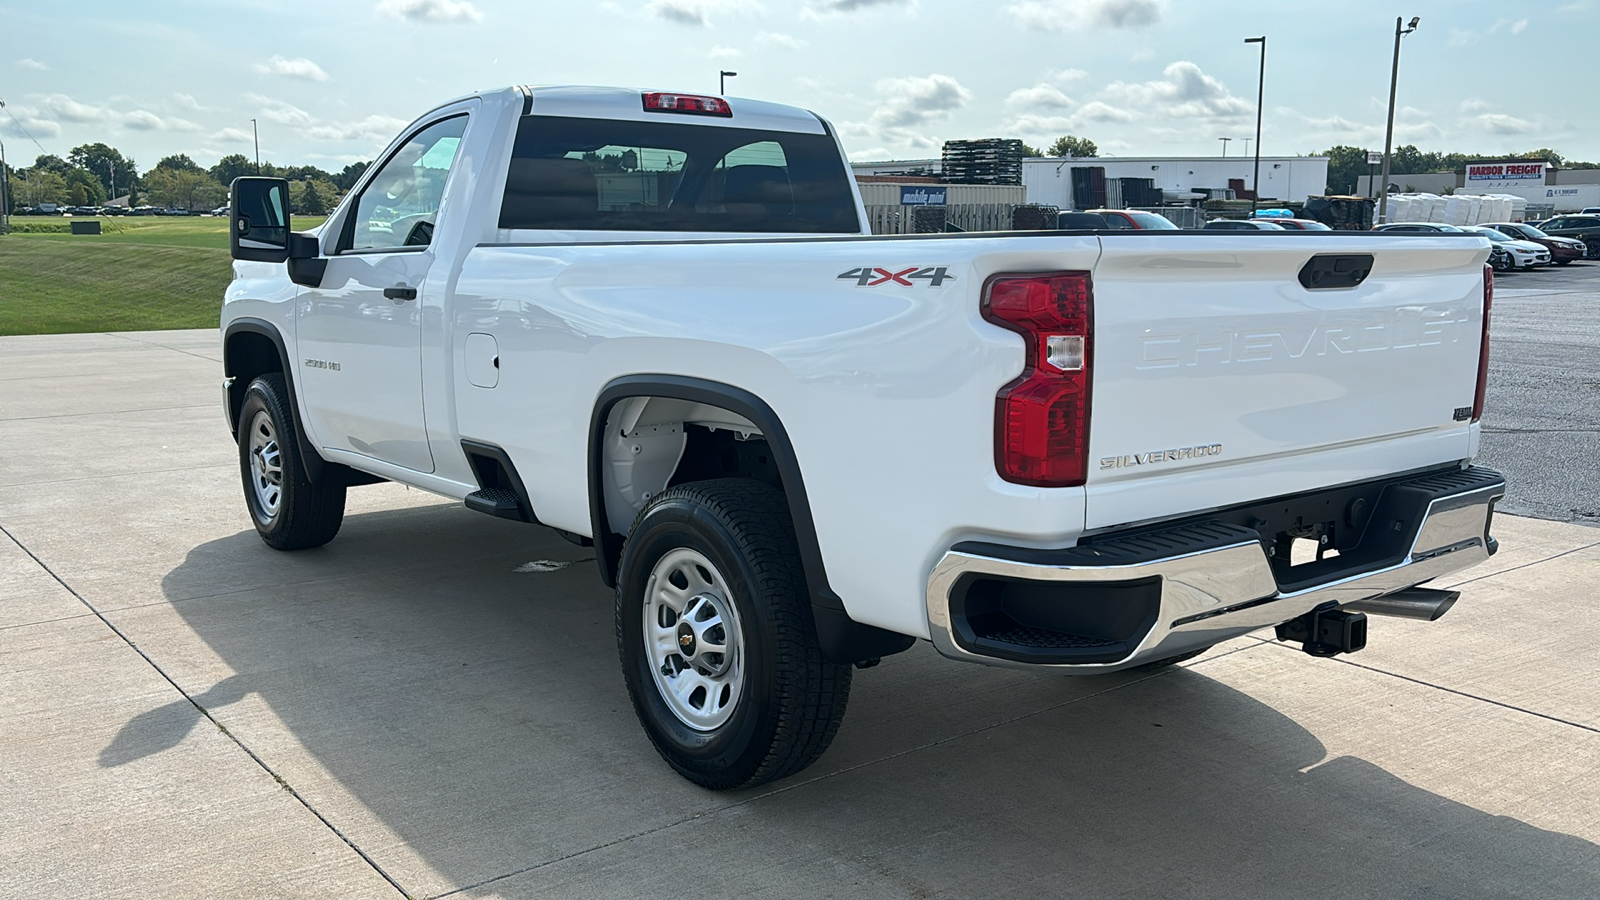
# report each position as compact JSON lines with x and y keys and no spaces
{"x":842,"y":639}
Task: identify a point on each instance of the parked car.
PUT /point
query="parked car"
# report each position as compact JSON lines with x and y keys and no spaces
{"x":1072,"y":221}
{"x":1294,"y":224}
{"x":1589,"y":211}
{"x":1243,"y":225}
{"x":1579,"y":227}
{"x":1562,"y":250}
{"x":1524,"y":254}
{"x":1418,"y":227}
{"x":220,"y":211}
{"x":1134,"y":220}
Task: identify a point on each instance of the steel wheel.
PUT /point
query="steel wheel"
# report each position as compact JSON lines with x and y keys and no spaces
{"x":694,"y":639}
{"x":290,"y":512}
{"x":266,"y":466}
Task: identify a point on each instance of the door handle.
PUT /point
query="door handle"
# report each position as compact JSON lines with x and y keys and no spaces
{"x":401,"y":294}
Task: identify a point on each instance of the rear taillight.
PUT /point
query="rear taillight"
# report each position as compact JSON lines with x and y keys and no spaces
{"x":1042,"y":418}
{"x":1483,"y":349}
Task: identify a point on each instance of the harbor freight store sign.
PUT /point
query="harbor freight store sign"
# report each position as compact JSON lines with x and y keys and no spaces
{"x":917,"y":195}
{"x":1505,"y":174}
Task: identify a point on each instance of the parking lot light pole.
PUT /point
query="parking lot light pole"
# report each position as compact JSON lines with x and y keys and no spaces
{"x":722,"y":82}
{"x":1261,"y":89}
{"x":257,"y":136}
{"x":1388,"y":136}
{"x":1224,"y":146}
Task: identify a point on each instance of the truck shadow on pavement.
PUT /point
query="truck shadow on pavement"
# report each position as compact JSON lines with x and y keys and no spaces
{"x":465,"y":724}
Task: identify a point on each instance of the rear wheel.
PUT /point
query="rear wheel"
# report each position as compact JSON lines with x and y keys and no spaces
{"x":716,"y":640}
{"x":290,"y":513}
{"x":1594,"y":247}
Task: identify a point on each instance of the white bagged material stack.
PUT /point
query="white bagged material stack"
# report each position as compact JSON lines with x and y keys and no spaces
{"x":1474,"y":209}
{"x":1455,"y":210}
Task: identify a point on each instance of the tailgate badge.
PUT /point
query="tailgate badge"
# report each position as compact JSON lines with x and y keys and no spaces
{"x":1160,"y":456}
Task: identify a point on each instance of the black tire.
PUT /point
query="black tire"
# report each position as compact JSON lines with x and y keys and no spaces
{"x":1593,"y":245}
{"x":789,"y":701}
{"x":290,"y":513}
{"x":1563,"y":262}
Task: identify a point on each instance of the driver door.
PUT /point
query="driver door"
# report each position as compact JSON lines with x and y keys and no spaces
{"x":360,"y":332}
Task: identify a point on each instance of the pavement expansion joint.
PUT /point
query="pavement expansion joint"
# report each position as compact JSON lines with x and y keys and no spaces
{"x":120,"y":475}
{"x":118,"y":334}
{"x":102,"y":415}
{"x":1527,"y":564}
{"x":206,"y":713}
{"x":1460,"y":693}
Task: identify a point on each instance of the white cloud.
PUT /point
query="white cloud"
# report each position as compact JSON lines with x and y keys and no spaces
{"x":1067,"y":76}
{"x":1499,"y":123}
{"x":720,"y":52}
{"x":1184,"y":91}
{"x":33,"y":64}
{"x":292,"y":68}
{"x":430,"y":10}
{"x":1040,"y":96}
{"x":282,"y":113}
{"x":918,"y":100}
{"x":144,"y":120}
{"x":65,"y":109}
{"x":232,"y":136}
{"x":1096,"y":111}
{"x":372,"y":128}
{"x":697,"y":12}
{"x":777,"y":39}
{"x":187,"y":101}
{"x":1519,"y":26}
{"x":1074,"y":15}
{"x":850,"y":6}
{"x":26,"y":121}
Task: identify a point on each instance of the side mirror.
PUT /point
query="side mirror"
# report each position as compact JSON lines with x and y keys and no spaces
{"x":258,"y":219}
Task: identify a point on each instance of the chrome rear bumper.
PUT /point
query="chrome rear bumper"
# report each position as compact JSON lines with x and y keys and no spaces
{"x":1214,"y":579}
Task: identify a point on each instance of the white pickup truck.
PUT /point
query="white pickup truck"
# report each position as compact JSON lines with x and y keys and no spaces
{"x":656,"y":323}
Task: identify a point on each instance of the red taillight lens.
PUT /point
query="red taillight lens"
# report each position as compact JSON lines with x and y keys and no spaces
{"x":692,"y":104}
{"x":1483,"y":349}
{"x":1042,"y":418}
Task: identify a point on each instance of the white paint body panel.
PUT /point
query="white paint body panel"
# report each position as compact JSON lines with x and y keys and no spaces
{"x":888,"y":392}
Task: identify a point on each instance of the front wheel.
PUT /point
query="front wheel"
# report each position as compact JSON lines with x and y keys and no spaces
{"x":290,"y":513}
{"x":1593,"y":244}
{"x":716,"y":639}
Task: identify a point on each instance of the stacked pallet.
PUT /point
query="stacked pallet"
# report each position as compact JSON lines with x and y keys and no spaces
{"x":987,"y":161}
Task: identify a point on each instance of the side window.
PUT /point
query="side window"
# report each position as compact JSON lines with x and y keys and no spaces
{"x":1115,"y":220}
{"x":399,"y":205}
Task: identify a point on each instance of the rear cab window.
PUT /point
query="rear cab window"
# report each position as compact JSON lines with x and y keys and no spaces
{"x":578,"y":174}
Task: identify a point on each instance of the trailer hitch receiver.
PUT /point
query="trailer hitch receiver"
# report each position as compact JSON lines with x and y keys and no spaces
{"x":1326,"y":632}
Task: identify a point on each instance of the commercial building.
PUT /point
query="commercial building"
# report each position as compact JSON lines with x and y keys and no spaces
{"x":1547,"y":189}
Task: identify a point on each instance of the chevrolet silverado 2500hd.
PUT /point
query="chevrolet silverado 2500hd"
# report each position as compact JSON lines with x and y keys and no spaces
{"x":656,"y":323}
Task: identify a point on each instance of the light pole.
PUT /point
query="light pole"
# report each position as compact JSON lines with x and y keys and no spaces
{"x":257,"y":135}
{"x":1224,"y":146}
{"x":1388,"y":136}
{"x":722,"y":82}
{"x":1261,"y":90}
{"x":5,"y":187}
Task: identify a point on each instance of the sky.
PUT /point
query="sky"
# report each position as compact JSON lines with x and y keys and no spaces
{"x":333,"y":81}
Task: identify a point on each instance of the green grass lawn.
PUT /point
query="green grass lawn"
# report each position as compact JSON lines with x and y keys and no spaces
{"x":142,"y":274}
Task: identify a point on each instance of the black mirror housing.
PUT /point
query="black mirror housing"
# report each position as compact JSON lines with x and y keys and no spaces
{"x":258,"y":219}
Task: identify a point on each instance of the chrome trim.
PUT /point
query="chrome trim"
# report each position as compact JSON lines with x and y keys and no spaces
{"x":1214,"y":595}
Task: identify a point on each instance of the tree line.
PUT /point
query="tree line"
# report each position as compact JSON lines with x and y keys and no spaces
{"x":1346,"y":164}
{"x":93,"y":174}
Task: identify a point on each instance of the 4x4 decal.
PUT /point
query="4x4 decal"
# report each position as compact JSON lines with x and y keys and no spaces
{"x":872,"y":276}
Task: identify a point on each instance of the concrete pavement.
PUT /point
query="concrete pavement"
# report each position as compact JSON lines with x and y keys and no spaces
{"x":186,"y":713}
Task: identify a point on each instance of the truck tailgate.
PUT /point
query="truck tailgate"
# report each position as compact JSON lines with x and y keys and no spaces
{"x":1218,"y":377}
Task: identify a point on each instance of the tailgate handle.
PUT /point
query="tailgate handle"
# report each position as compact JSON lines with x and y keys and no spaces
{"x":1335,"y":270}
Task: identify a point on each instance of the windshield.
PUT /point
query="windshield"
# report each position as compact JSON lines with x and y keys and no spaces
{"x":1314,"y":226}
{"x":1493,"y":235}
{"x":1528,"y":231}
{"x":1151,"y":221}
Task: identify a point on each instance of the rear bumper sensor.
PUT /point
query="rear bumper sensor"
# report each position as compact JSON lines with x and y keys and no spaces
{"x":1123,"y":601}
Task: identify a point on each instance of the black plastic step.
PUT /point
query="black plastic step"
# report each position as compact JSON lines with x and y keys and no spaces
{"x":496,"y":501}
{"x":1045,"y":639}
